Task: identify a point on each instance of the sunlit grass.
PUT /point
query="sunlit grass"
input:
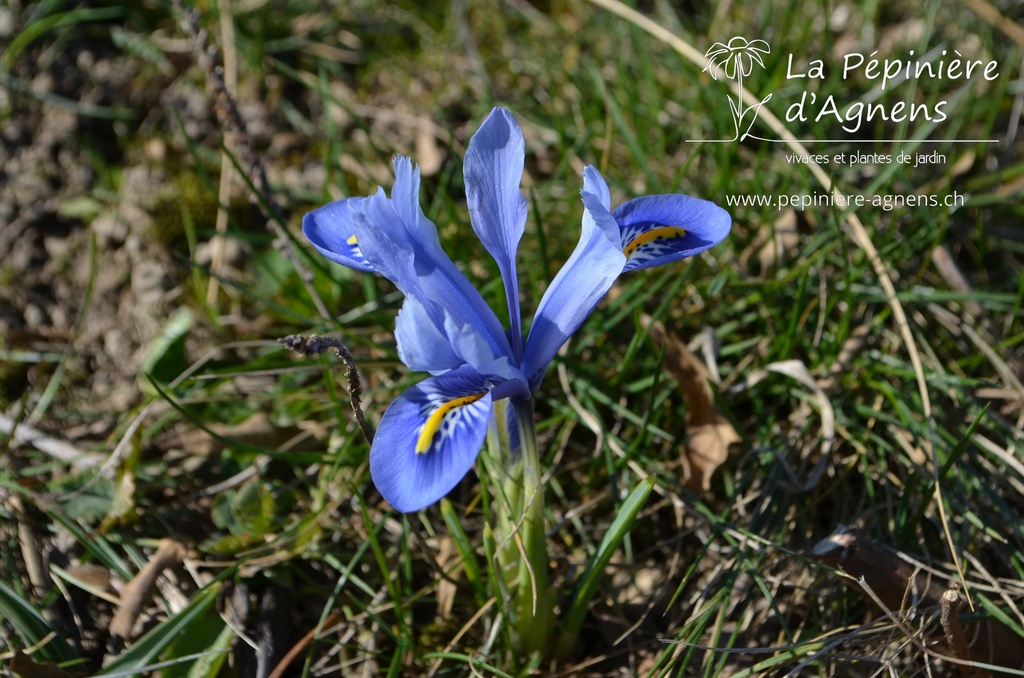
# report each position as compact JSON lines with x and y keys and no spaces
{"x":250,"y":455}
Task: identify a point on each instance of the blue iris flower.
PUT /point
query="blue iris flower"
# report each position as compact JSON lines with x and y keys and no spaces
{"x":430,"y":436}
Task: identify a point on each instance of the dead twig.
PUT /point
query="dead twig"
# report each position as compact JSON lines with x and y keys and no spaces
{"x":227,"y":38}
{"x":23,"y":434}
{"x":314,"y":345}
{"x":300,"y":647}
{"x":954,"y":631}
{"x":896,"y":583}
{"x":237,"y":137}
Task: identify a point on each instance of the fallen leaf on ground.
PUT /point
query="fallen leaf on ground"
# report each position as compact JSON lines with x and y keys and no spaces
{"x":710,"y":433}
{"x":140,"y":589}
{"x":24,"y":666}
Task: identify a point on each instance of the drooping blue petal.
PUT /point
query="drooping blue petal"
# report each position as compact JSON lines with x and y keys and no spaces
{"x":421,"y":345}
{"x":584,"y":279}
{"x":493,"y":170}
{"x":402,"y":245}
{"x":658,"y":229}
{"x":426,"y":348}
{"x":332,"y":230}
{"x":429,"y":438}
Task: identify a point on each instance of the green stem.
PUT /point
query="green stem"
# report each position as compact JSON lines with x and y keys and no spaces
{"x":519,"y":527}
{"x":506,"y":492}
{"x":534,"y":596}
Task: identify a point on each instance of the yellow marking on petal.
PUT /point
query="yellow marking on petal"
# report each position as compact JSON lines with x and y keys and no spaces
{"x":351,"y":240}
{"x":436,"y":418}
{"x":651,"y":236}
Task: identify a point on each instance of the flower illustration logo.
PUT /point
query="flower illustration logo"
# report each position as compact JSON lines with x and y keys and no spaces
{"x":736,"y":59}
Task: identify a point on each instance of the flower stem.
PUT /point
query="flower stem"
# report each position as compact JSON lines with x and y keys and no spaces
{"x":519,"y":525}
{"x":535,"y":598}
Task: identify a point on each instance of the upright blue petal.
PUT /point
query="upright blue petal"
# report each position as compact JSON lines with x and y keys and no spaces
{"x":595,"y":184}
{"x":493,"y":170}
{"x":658,"y":229}
{"x":581,"y":283}
{"x":332,"y":230}
{"x":429,"y":438}
{"x":405,"y":198}
{"x":402,"y":245}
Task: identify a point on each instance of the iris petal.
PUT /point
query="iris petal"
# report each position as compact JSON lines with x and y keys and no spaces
{"x":405,"y":198}
{"x":493,"y":170}
{"x":332,"y":230}
{"x":581,"y":283}
{"x":658,"y":229}
{"x":595,"y":184}
{"x":471,"y":347}
{"x":402,"y":245}
{"x":421,"y":345}
{"x":601,"y":200}
{"x":429,"y":438}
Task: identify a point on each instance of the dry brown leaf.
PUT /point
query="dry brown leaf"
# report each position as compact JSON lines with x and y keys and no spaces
{"x":710,"y":433}
{"x":707,"y":450}
{"x":24,"y":666}
{"x":140,"y":589}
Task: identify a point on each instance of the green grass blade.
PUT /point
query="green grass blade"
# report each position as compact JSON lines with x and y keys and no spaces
{"x":33,"y":627}
{"x":587,"y":586}
{"x":48,"y":23}
{"x":147,"y":648}
{"x":475,"y":664}
{"x":466,"y":551}
{"x":212,"y":655}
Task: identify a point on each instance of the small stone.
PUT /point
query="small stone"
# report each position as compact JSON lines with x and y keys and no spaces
{"x":6,"y":22}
